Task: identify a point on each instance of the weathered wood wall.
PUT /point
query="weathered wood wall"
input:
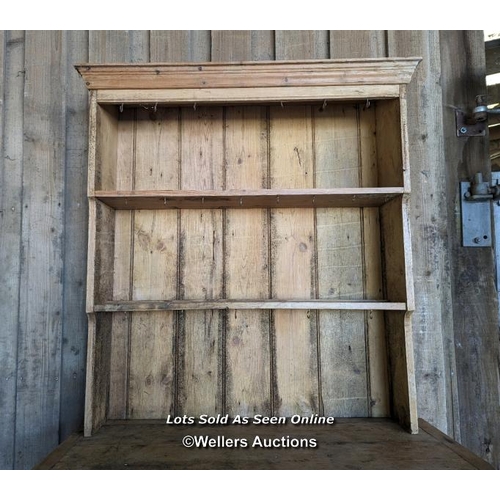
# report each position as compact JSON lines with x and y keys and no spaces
{"x":43,"y":213}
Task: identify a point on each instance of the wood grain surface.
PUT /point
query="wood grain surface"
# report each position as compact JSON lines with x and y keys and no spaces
{"x":348,"y":444}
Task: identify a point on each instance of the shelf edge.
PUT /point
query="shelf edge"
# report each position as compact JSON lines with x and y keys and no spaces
{"x":181,"y":305}
{"x":264,"y":198}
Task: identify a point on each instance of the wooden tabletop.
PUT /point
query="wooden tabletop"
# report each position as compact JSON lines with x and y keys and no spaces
{"x":367,"y":443}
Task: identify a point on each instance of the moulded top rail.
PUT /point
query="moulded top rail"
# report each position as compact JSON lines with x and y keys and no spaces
{"x":251,"y":74}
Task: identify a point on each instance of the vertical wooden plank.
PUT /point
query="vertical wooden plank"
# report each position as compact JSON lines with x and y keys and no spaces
{"x":92,"y":143}
{"x":398,"y":279}
{"x":107,"y":46}
{"x":125,"y":150}
{"x":40,"y":330}
{"x":106,"y":165}
{"x":397,"y":261}
{"x":432,"y":320}
{"x":91,"y":257}
{"x":120,"y":46}
{"x":246,"y":234}
{"x":75,"y":241}
{"x":184,"y":46}
{"x":89,"y":411}
{"x":155,"y":231}
{"x":157,"y":149}
{"x":180,"y":45}
{"x":389,"y":150}
{"x":11,"y":167}
{"x":119,"y":363}
{"x":302,"y":44}
{"x":247,"y":266}
{"x":3,"y":35}
{"x":201,"y":264}
{"x":297,"y":383}
{"x":376,"y":344}
{"x":8,"y":354}
{"x":242,"y":45}
{"x":104,"y":249}
{"x":292,"y":266}
{"x":357,"y":43}
{"x":475,"y":323}
{"x":340,"y":264}
{"x":99,"y":289}
{"x":139,"y":46}
{"x":151,"y":381}
{"x":369,"y":43}
{"x":154,"y":269}
{"x":88,"y":425}
{"x":122,"y":287}
{"x":98,"y":365}
{"x":336,"y":130}
{"x":102,"y":241}
{"x":401,"y":369}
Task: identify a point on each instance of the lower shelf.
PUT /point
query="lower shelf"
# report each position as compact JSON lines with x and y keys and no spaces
{"x":185,"y":305}
{"x":357,"y":443}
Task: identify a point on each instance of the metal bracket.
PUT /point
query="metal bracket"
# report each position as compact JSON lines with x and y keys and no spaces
{"x":475,"y":202}
{"x":495,"y":178}
{"x":467,"y":127}
{"x":476,"y":219}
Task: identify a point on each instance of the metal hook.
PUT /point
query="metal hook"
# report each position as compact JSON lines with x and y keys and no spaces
{"x":324,"y":104}
{"x":121,"y":107}
{"x":368,"y":103}
{"x":194,"y":106}
{"x":165,"y":200}
{"x":241,"y":201}
{"x":281,"y":102}
{"x":278,"y":199}
{"x":155,"y":108}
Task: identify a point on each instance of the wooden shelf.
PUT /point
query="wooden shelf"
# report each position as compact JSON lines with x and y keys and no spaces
{"x":259,"y":198}
{"x":187,"y":305}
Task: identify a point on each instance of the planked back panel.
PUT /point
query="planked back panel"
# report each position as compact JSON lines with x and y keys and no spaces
{"x":199,"y":361}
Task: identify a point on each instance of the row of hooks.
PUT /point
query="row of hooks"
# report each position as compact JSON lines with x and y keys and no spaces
{"x":155,"y":107}
{"x":165,"y":200}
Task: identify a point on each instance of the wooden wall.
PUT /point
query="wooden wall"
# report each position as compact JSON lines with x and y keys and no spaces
{"x":43,"y":212}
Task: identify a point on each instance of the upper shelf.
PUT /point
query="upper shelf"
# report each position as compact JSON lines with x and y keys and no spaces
{"x":248,"y":82}
{"x":260,"y":198}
